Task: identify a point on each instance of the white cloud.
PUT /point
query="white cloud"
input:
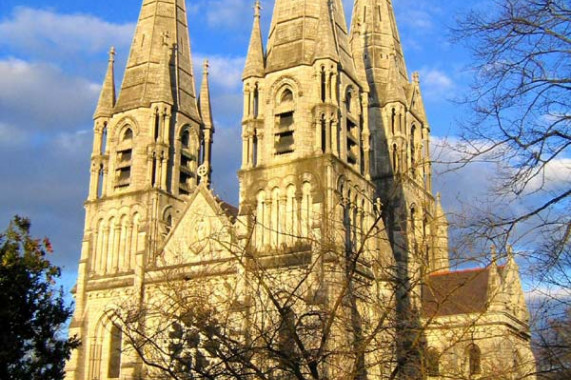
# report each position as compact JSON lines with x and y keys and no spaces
{"x":436,"y":83}
{"x":48,"y":34}
{"x":225,"y":72}
{"x":38,"y":96}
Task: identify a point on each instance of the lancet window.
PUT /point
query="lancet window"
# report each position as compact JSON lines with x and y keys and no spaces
{"x":412,"y":149}
{"x":474,"y":359}
{"x":124,"y":159}
{"x":114,"y":369}
{"x":188,"y":162}
{"x":284,"y":131}
{"x":432,"y":362}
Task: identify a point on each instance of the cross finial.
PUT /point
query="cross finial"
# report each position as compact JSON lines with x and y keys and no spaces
{"x":416,"y":77}
{"x":257,"y":8}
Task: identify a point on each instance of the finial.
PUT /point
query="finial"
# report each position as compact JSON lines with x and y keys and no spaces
{"x":257,"y":8}
{"x":112,"y":54}
{"x":494,"y":253}
{"x":439,"y":197}
{"x":416,"y":77}
{"x":205,"y":66}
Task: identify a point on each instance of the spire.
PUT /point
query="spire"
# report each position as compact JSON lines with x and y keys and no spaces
{"x":255,"y":60}
{"x":205,"y":170}
{"x":296,"y":35}
{"x":327,"y":45}
{"x":382,"y":45}
{"x":204,"y":102}
{"x":107,"y":97}
{"x":160,"y":22}
{"x":393,"y":89}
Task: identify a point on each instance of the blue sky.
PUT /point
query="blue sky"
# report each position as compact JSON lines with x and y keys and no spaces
{"x":53,"y":58}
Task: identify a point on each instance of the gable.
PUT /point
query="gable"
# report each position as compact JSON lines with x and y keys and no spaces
{"x":204,"y":232}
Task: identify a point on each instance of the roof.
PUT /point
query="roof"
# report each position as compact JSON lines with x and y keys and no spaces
{"x":458,"y":292}
{"x":230,"y":210}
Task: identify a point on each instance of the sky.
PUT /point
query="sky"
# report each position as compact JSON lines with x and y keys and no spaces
{"x":53,"y":57}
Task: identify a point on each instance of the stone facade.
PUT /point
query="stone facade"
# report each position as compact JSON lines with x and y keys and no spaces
{"x":336,"y":206}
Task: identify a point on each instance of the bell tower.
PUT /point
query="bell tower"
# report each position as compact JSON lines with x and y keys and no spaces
{"x":401,"y":167}
{"x":149,"y":146}
{"x":306,"y":185}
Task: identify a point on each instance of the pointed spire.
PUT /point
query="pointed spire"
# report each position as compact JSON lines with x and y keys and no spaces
{"x":206,"y":113}
{"x":393,"y":90}
{"x":107,"y":97}
{"x":293,"y":39}
{"x":382,"y":44}
{"x":204,"y":100}
{"x":255,"y":60}
{"x":159,"y":19}
{"x":327,"y":42}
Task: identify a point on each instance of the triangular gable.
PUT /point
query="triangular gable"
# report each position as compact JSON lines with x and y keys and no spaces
{"x":203,"y":233}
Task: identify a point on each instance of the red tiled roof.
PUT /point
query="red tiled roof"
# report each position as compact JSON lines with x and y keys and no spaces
{"x":459,"y":292}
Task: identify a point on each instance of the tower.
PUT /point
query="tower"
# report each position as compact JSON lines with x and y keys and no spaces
{"x":401,"y":168}
{"x":305,"y":180}
{"x":151,"y":149}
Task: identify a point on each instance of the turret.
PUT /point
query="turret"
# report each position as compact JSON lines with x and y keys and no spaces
{"x":207,"y":126}
{"x":255,"y":60}
{"x":106,"y":101}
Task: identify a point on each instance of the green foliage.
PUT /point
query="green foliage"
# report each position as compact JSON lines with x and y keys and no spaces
{"x":32,"y":310}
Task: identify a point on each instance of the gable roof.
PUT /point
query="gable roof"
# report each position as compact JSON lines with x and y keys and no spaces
{"x":458,"y":292}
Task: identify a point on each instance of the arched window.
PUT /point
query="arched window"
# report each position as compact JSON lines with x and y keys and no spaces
{"x":188,"y":162}
{"x":124,"y":159}
{"x":103,"y":146}
{"x":323,"y":134}
{"x":255,"y":149}
{"x":432,"y":360}
{"x":306,"y":205}
{"x":100,"y":179}
{"x":323,"y":84}
{"x":114,"y":369}
{"x":287,"y":96}
{"x":185,"y":139}
{"x":284,"y":134}
{"x":260,"y":219}
{"x":168,"y":223}
{"x":348,"y":100}
{"x":395,"y":159}
{"x":475,"y":359}
{"x":291,"y":214}
{"x":393,"y":120}
{"x":127,"y":135}
{"x":157,"y":125}
{"x":412,"y":149}
{"x":256,"y":101}
{"x":276,"y":218}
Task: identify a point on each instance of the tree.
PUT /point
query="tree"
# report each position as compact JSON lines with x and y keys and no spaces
{"x":33,"y":312}
{"x":521,"y":123}
{"x":521,"y":119}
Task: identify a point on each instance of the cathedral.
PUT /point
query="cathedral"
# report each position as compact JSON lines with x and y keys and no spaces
{"x":334,"y":264}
